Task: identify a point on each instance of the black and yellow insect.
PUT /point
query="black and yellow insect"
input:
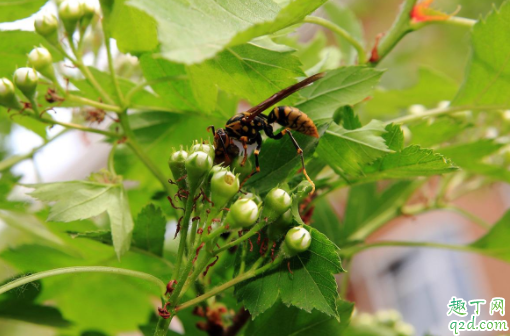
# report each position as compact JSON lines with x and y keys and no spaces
{"x":246,"y":127}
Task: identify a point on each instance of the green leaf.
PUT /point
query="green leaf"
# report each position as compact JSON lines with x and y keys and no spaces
{"x":102,"y":236}
{"x":346,"y":117}
{"x":132,"y":38}
{"x":495,"y":242}
{"x":253,"y":71}
{"x":282,"y":320}
{"x":432,"y":132}
{"x":30,"y":225}
{"x":345,"y":18}
{"x":431,"y":88}
{"x":344,"y":86}
{"x":189,"y":32}
{"x":327,"y":221}
{"x":367,"y":208}
{"x":106,"y":296}
{"x":486,"y":80}
{"x":20,"y":305}
{"x":411,"y":162}
{"x":406,"y":162}
{"x":311,"y":286}
{"x":12,"y":10}
{"x":469,"y":157}
{"x":349,"y":150}
{"x":279,"y":160}
{"x":77,"y":200}
{"x":149,"y":231}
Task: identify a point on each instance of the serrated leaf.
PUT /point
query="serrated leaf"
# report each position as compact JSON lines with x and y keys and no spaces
{"x":349,"y":150}
{"x":311,"y":286}
{"x":495,"y":242}
{"x":346,"y":117}
{"x":346,"y":19}
{"x":486,"y":80}
{"x":412,"y":161}
{"x":344,"y":86}
{"x":431,"y":88}
{"x":76,"y":200}
{"x":149,"y":231}
{"x":12,"y":10}
{"x":189,"y":33}
{"x":282,"y":320}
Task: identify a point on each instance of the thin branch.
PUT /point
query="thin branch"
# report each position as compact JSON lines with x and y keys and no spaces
{"x":350,"y":251}
{"x":233,"y":282}
{"x":84,"y":269}
{"x":400,"y":27}
{"x":85,"y":101}
{"x":443,"y":111}
{"x":340,"y":32}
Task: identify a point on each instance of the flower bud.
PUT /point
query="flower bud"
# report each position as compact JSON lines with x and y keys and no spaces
{"x":7,"y":95}
{"x":206,"y":148}
{"x":297,"y":240}
{"x":243,"y":213}
{"x":41,"y":60}
{"x":303,"y":189}
{"x":70,"y":12}
{"x":197,"y":165}
{"x":25,"y":80}
{"x":177,"y":166}
{"x":89,"y":10}
{"x":224,"y":185}
{"x":277,"y":201}
{"x":46,"y":25}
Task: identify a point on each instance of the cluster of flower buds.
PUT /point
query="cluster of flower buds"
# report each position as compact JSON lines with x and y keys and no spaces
{"x":219,"y":187}
{"x":72,"y":14}
{"x":25,"y":79}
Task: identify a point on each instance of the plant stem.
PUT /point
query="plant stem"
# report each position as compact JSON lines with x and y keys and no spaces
{"x":135,"y":147}
{"x":345,"y":278}
{"x":442,"y":111}
{"x":72,"y":126}
{"x":460,"y":21}
{"x":88,"y":75}
{"x":401,"y":26}
{"x":188,"y":210}
{"x":245,"y":276}
{"x":85,"y":101}
{"x":475,"y":219}
{"x":141,"y":86}
{"x":341,"y":32}
{"x":356,"y":249}
{"x":115,"y":80}
{"x":83,"y":269}
{"x":387,"y":214}
{"x":244,"y":237}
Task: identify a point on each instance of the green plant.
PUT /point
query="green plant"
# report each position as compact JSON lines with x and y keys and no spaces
{"x":253,"y":252}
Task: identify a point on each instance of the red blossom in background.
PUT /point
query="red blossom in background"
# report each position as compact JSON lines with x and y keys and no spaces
{"x":423,"y":13}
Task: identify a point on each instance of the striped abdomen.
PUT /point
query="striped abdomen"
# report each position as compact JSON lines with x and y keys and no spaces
{"x":294,"y":119}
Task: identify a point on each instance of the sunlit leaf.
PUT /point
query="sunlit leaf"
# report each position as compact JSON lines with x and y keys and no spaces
{"x":310,"y":286}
